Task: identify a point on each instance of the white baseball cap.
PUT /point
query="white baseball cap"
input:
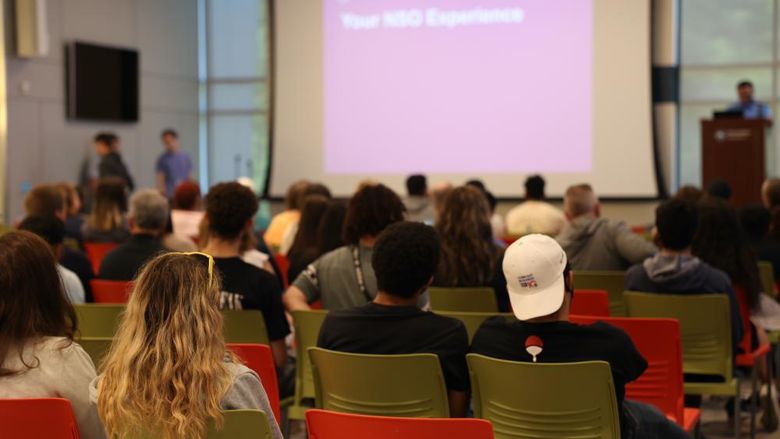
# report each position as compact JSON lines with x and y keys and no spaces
{"x":533,"y":266}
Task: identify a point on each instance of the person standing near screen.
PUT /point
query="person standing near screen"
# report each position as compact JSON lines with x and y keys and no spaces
{"x":111,"y":164}
{"x":173,"y":166}
{"x":750,"y":108}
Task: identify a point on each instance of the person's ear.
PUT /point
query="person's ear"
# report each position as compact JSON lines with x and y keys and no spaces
{"x":597,"y":210}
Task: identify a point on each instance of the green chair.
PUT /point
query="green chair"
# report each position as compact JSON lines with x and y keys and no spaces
{"x":473,"y":320}
{"x":612,"y":281}
{"x":242,"y":424}
{"x":96,"y":348}
{"x":705,"y":328}
{"x":534,"y":400}
{"x":245,"y":326}
{"x":98,"y":320}
{"x":767,"y":273}
{"x":477,"y":299}
{"x":410,"y":386}
{"x":307,"y":328}
{"x":238,"y":424}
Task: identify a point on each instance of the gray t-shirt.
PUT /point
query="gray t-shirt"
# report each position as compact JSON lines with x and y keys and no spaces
{"x":332,"y":279}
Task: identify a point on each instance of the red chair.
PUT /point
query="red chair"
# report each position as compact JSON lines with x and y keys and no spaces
{"x":323,"y":424}
{"x":590,"y":303}
{"x":259,"y":358}
{"x":110,"y":291}
{"x":96,"y":251}
{"x":50,"y":418}
{"x":284,"y":265}
{"x":659,"y":341}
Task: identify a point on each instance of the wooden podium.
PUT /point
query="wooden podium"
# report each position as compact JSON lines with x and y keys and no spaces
{"x":733,"y":150}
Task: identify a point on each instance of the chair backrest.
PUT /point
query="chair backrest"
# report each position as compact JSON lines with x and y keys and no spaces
{"x":473,"y":320}
{"x":705,"y":327}
{"x":110,"y":291}
{"x":96,"y":251}
{"x":98,"y":320}
{"x":244,"y":326}
{"x":284,"y":265}
{"x":659,"y":341}
{"x":463,"y":299}
{"x":238,"y":424}
{"x":242,"y":424}
{"x":323,"y":424}
{"x":307,"y":328}
{"x":613,"y":282}
{"x":590,"y":303}
{"x":96,"y":347}
{"x":535,"y":400}
{"x":259,"y":358}
{"x":766,"y":270}
{"x":409,"y":386}
{"x":50,"y":418}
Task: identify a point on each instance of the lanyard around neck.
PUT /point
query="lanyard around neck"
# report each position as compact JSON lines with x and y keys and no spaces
{"x":359,"y":272}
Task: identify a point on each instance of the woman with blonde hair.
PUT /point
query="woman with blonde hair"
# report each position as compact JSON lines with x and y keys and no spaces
{"x":106,"y":222}
{"x":469,"y":255}
{"x":168,"y":372}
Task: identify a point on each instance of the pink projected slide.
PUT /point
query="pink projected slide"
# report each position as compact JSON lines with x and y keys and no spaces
{"x":457,"y":86}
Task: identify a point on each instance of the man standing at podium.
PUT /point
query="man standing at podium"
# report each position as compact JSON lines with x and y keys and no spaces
{"x":750,"y":108}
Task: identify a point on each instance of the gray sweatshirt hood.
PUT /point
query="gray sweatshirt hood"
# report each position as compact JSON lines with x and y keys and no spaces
{"x":671,"y":269}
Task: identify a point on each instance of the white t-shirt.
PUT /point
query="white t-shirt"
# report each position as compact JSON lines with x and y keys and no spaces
{"x":62,"y":371}
{"x":534,"y":216}
{"x":72,"y":284}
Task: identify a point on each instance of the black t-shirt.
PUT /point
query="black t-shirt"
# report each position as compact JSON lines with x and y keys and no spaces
{"x":391,"y":330}
{"x":245,"y":286}
{"x":562,"y":342}
{"x":78,"y":263}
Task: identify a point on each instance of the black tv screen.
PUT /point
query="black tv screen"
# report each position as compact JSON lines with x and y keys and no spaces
{"x":102,"y":83}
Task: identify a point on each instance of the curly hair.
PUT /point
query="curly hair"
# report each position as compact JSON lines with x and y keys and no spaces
{"x":371,"y":209}
{"x":405,"y":258}
{"x":468,"y":254}
{"x":228,"y":207}
{"x":166,"y":372}
{"x":720,"y":242}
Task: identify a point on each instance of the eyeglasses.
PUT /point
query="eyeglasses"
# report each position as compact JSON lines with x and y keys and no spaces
{"x":208,"y":257}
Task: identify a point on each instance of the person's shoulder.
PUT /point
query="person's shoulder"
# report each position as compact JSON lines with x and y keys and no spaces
{"x":337,"y":256}
{"x":608,"y":332}
{"x":635,"y":272}
{"x":714,"y":274}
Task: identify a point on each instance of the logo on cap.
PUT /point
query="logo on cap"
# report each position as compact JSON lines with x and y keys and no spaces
{"x":527,"y":281}
{"x":534,"y":346}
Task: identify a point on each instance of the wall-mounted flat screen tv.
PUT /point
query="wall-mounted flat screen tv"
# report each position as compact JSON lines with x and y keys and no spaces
{"x":102,"y":83}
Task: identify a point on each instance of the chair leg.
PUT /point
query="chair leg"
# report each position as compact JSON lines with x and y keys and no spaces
{"x":737,"y":413}
{"x":753,"y":400}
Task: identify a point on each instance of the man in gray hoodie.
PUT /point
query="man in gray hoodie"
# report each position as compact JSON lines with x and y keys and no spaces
{"x":674,"y":270}
{"x":595,"y":243}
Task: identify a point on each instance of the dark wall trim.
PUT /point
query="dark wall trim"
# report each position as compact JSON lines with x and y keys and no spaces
{"x":271,"y":95}
{"x":666,"y":84}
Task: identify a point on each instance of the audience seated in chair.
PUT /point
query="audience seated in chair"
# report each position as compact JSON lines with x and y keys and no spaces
{"x":46,"y":200}
{"x":147,"y":219}
{"x":674,"y":269}
{"x":404,"y":259}
{"x":469,"y":257}
{"x":762,"y":229}
{"x":312,"y":190}
{"x":38,"y":358}
{"x":229,"y":213}
{"x":534,"y":215}
{"x":540,"y":289}
{"x":74,"y":220}
{"x":344,"y":278}
{"x":419,"y":206}
{"x":303,"y":249}
{"x":107,"y":222}
{"x":293,"y":202}
{"x":52,"y":230}
{"x":595,"y":243}
{"x":168,"y":372}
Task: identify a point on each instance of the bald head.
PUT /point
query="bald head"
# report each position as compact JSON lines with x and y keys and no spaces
{"x":580,"y":200}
